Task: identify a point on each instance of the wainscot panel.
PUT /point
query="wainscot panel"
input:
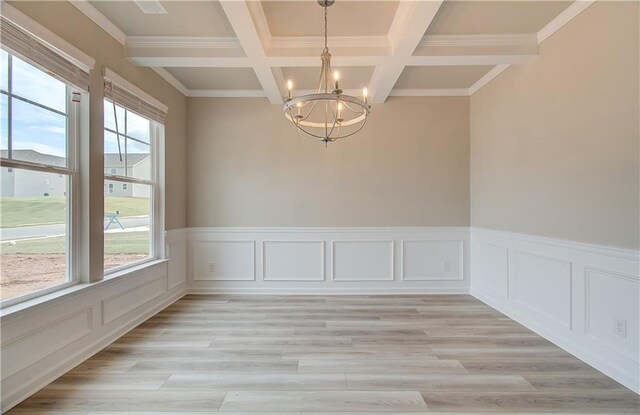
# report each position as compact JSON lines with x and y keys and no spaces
{"x":333,"y":260}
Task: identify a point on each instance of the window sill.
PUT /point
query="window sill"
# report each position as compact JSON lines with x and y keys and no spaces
{"x":37,"y":303}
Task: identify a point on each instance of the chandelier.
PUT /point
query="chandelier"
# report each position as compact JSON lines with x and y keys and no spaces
{"x":326,"y":114}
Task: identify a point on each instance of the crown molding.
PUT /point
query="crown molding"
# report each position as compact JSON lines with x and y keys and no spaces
{"x":100,"y":19}
{"x":299,"y":42}
{"x":166,"y":75}
{"x":563,"y":18}
{"x":182,"y":42}
{"x":488,"y":77}
{"x":526,"y":39}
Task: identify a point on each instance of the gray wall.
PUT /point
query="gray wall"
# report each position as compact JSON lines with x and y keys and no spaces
{"x":554,"y":143}
{"x":249,"y":167}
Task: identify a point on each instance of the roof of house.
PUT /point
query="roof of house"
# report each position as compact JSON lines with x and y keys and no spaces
{"x":110,"y":159}
{"x":113,"y":159}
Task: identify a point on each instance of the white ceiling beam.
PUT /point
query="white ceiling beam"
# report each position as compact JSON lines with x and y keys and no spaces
{"x":190,"y":61}
{"x":468,"y":60}
{"x":407,"y":30}
{"x":242,"y":23}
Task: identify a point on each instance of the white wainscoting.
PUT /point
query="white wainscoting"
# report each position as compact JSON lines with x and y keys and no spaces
{"x":329,"y":260}
{"x":571,"y":293}
{"x":43,"y":341}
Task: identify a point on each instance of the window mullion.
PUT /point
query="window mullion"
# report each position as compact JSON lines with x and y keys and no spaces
{"x":10,"y":107}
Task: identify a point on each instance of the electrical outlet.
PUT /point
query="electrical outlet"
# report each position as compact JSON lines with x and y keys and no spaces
{"x":212,"y":267}
{"x":446,"y":266}
{"x":620,"y":327}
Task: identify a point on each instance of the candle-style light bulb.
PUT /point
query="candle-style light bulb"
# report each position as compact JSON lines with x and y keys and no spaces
{"x":290,"y":87}
{"x":336,"y":78}
{"x":365,"y":94}
{"x":339,"y":111}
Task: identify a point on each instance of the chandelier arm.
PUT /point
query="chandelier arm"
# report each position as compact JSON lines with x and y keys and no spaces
{"x":355,"y":132}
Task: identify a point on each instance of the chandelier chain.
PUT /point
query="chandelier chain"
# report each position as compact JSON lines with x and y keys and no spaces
{"x":325,"y":26}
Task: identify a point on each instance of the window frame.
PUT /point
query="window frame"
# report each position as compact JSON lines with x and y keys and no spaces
{"x":73,"y":116}
{"x":156,"y":134}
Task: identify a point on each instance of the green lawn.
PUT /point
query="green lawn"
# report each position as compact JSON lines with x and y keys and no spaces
{"x":115,"y":243}
{"x":28,"y":211}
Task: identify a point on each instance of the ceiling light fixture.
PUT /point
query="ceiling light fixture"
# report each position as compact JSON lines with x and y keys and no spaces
{"x":326,"y":114}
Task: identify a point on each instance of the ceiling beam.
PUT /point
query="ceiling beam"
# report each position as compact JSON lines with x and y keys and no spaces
{"x":407,"y":30}
{"x":240,"y":19}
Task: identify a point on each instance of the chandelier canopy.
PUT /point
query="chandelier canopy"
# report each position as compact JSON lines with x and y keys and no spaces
{"x":326,"y":114}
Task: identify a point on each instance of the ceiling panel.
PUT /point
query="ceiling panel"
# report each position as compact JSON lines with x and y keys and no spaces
{"x":427,"y":77}
{"x":216,"y":78}
{"x":183,"y":18}
{"x":346,"y":18}
{"x":351,"y":77}
{"x":494,"y":17}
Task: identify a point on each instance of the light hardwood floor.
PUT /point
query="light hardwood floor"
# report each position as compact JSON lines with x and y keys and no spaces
{"x":306,"y":355}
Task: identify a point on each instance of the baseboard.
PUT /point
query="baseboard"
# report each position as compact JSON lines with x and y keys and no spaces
{"x":23,"y":393}
{"x":570,"y":293}
{"x":337,"y":292}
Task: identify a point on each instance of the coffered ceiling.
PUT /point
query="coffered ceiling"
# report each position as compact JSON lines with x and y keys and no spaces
{"x":249,"y":48}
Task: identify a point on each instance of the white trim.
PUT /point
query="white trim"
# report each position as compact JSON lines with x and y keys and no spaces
{"x":488,"y":77}
{"x":100,"y":19}
{"x":183,"y":42}
{"x":172,"y":80}
{"x":446,"y":92}
{"x":119,"y":80}
{"x":342,"y":291}
{"x":44,"y":35}
{"x":226,"y":93}
{"x":519,"y":39}
{"x":411,"y":21}
{"x":239,"y":17}
{"x":563,"y":18}
{"x":317,"y":42}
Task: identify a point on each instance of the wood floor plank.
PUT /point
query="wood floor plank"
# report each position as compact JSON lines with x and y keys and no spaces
{"x":459,"y":382}
{"x":252,"y":381}
{"x":378,"y":401}
{"x":427,"y":366}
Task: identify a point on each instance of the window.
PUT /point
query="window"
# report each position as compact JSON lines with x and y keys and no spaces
{"x":114,"y":171}
{"x":129,"y":213}
{"x":38,"y":124}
